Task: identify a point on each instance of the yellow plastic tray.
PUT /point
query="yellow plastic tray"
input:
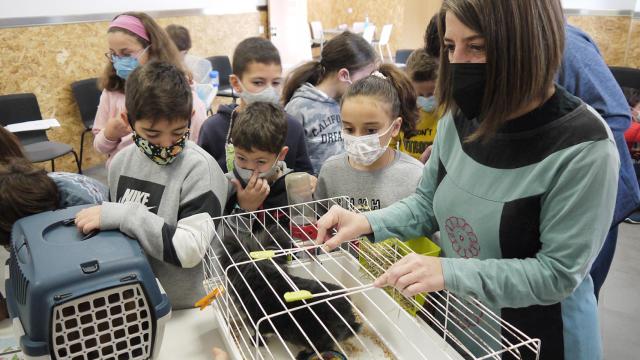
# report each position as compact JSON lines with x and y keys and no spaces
{"x":386,"y":253}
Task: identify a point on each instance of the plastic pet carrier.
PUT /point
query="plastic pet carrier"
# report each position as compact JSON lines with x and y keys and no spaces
{"x":82,"y":297}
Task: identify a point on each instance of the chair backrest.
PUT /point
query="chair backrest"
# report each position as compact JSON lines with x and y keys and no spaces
{"x":369,"y":32}
{"x":222,"y":64}
{"x":626,"y":77}
{"x":402,"y":55}
{"x":316,"y":30}
{"x":385,"y":34}
{"x":87,"y":97}
{"x":358,"y":27}
{"x":17,"y":108}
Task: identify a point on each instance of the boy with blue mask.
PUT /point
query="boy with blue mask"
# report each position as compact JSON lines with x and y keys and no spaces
{"x":257,"y":180}
{"x":422,"y":70}
{"x":257,"y":77}
{"x":165,"y":189}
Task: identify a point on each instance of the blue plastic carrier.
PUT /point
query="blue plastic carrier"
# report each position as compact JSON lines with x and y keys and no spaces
{"x":75,"y":298}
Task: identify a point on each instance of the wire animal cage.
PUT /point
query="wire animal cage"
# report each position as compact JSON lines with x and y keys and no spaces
{"x":255,"y":258}
{"x":80,"y":298}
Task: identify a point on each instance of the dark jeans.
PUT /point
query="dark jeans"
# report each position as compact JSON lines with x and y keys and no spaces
{"x":601,"y":265}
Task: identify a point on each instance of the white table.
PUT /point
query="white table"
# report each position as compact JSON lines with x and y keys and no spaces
{"x":190,"y":334}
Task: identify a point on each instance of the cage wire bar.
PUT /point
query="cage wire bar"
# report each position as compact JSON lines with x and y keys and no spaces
{"x":459,"y":328}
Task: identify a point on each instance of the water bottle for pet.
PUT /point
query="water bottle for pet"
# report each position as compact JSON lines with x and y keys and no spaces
{"x":208,"y":91}
{"x":303,"y":215}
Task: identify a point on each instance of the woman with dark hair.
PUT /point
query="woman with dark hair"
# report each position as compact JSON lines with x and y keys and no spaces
{"x":521,"y":182}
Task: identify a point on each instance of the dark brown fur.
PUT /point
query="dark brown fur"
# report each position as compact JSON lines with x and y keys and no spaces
{"x":270,"y":300}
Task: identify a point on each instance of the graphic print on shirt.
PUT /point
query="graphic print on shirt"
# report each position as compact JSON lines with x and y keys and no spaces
{"x":365,"y":204}
{"x":419,"y":142}
{"x":328,"y":131}
{"x":139,"y":191}
{"x":463,"y":239}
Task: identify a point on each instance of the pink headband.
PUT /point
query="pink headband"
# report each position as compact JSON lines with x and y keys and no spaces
{"x":130,"y":23}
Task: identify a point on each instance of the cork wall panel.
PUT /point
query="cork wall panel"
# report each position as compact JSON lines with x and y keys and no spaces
{"x":45,"y":60}
{"x":333,"y":13}
{"x":611,"y":34}
{"x":633,"y":52}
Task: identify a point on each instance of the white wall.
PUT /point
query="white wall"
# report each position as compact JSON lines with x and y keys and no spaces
{"x":601,"y":4}
{"x":48,"y":8}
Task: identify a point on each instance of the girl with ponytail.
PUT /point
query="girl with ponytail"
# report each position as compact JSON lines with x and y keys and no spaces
{"x":313,"y":90}
{"x":374,"y":111}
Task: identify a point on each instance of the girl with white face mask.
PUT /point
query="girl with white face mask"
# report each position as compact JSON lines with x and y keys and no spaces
{"x":374,"y":110}
{"x":313,"y":91}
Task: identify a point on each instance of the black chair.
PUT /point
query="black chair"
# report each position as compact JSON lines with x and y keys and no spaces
{"x":87,"y":97}
{"x":222,"y":64}
{"x":17,"y":108}
{"x":626,"y":77}
{"x":402,"y":55}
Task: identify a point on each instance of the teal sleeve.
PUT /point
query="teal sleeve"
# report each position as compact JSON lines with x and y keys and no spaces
{"x":413,"y":216}
{"x":575,"y":216}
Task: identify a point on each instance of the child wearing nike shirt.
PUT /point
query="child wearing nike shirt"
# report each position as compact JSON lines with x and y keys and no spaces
{"x":165,"y":189}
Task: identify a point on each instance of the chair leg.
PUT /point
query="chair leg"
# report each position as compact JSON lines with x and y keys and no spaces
{"x":380,"y":51}
{"x":81,"y":150}
{"x":53,"y":165}
{"x":389,"y":53}
{"x":75,"y":155}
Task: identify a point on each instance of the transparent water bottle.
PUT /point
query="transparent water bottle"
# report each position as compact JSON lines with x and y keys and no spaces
{"x":303,"y":214}
{"x":214,"y":77}
{"x":208,"y":91}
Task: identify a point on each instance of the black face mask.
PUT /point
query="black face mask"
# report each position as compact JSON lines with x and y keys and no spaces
{"x":468,"y":87}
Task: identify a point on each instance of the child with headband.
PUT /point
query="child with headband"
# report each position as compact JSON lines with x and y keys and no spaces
{"x":134,"y":39}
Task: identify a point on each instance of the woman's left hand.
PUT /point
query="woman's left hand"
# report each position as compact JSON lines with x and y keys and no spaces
{"x":414,"y":274}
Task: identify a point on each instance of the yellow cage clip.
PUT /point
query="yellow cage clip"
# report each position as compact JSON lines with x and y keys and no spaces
{"x":208,"y":299}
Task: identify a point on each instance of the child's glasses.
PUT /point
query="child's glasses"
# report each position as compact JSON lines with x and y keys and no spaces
{"x":110,"y":55}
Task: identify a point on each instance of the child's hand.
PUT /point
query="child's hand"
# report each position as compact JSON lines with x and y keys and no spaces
{"x":426,"y":154}
{"x":116,"y":128}
{"x":251,"y":197}
{"x":88,"y":219}
{"x":219,"y":354}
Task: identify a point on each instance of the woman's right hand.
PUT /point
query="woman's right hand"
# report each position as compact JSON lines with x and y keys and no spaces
{"x":349,"y":225}
{"x":116,"y":128}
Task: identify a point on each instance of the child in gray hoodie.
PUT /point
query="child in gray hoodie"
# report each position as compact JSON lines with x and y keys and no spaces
{"x":164,"y":189}
{"x":313,"y":90}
